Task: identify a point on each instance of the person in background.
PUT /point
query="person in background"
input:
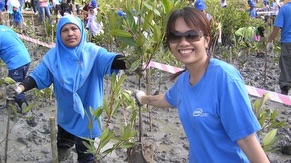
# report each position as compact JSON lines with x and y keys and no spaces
{"x":34,"y":6}
{"x":65,"y":8}
{"x":86,"y":9}
{"x":51,"y":6}
{"x":2,"y":8}
{"x":17,"y":59}
{"x":76,"y":68}
{"x":56,"y":7}
{"x":283,"y":23}
{"x":44,"y":10}
{"x":250,"y":33}
{"x":201,"y":6}
{"x":78,"y":10}
{"x":27,"y":5}
{"x":17,"y":19}
{"x":251,"y":36}
{"x":275,"y":7}
{"x":93,"y":26}
{"x":266,"y":8}
{"x":210,"y":95}
{"x":223,"y":3}
{"x":190,"y":2}
{"x":252,"y":10}
{"x":10,"y":4}
{"x":21,"y":2}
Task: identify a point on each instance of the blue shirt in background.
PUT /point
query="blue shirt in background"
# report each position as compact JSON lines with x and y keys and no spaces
{"x":283,"y":21}
{"x":12,"y":50}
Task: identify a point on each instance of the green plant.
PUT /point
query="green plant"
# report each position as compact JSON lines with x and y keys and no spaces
{"x":11,"y":110}
{"x":122,"y":137}
{"x":268,"y":120}
{"x":141,"y":39}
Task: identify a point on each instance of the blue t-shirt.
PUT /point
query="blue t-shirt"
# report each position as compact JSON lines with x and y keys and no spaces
{"x":17,"y":16}
{"x":215,"y":113}
{"x":283,"y":21}
{"x":12,"y":50}
{"x":91,"y":94}
{"x":2,"y":5}
{"x":253,"y":13}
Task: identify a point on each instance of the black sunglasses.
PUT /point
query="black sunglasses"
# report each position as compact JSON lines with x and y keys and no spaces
{"x":190,"y":36}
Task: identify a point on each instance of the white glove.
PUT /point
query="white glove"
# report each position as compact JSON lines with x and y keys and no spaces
{"x":13,"y":90}
{"x":138,"y":96}
{"x":269,"y":46}
{"x":219,"y":41}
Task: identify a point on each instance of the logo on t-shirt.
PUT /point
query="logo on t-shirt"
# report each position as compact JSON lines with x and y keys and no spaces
{"x":199,"y":113}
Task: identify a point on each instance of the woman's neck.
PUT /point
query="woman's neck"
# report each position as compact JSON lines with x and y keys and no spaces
{"x":196,"y":71}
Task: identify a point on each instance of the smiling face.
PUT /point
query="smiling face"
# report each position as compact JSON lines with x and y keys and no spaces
{"x":71,"y":35}
{"x":188,"y":50}
{"x":188,"y":35}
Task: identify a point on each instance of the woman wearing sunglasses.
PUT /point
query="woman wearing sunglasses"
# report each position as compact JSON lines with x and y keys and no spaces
{"x":210,"y":96}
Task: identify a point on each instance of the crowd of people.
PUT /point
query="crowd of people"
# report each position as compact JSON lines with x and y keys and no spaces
{"x":46,"y":8}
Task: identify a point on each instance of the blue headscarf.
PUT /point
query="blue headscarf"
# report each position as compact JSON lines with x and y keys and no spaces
{"x":200,"y":5}
{"x":71,"y":65}
{"x":121,"y":13}
{"x":252,"y":4}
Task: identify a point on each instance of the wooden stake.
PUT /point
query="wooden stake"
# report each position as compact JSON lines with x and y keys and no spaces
{"x":53,"y":135}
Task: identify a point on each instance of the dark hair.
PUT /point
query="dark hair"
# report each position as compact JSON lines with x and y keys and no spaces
{"x":194,"y":19}
{"x":261,"y":31}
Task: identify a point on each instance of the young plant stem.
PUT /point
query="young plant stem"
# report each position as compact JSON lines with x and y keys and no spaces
{"x":7,"y":130}
{"x":148,"y":83}
{"x":110,"y":108}
{"x":266,"y":67}
{"x":139,"y":114}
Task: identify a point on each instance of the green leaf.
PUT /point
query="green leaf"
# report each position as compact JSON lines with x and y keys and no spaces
{"x":113,"y":79}
{"x":265,"y":98}
{"x":106,"y":107}
{"x":120,"y":33}
{"x":118,"y":84}
{"x":112,"y":20}
{"x":134,"y":65}
{"x":256,"y":106}
{"x":140,"y":40}
{"x":128,"y":144}
{"x":167,"y":5}
{"x":133,"y":118}
{"x":148,"y":20}
{"x":157,"y":34}
{"x":269,"y":137}
{"x":104,"y":134}
{"x":91,"y":110}
{"x":105,"y":137}
{"x":108,"y":151}
{"x":98,"y":112}
{"x":28,"y":108}
{"x":128,"y":41}
{"x":152,"y":8}
{"x":115,"y":107}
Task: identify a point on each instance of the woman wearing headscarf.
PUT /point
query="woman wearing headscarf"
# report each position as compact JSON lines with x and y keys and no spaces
{"x":76,"y":68}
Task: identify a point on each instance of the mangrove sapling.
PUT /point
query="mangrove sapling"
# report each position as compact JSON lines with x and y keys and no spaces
{"x":268,"y":120}
{"x":120,"y":138}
